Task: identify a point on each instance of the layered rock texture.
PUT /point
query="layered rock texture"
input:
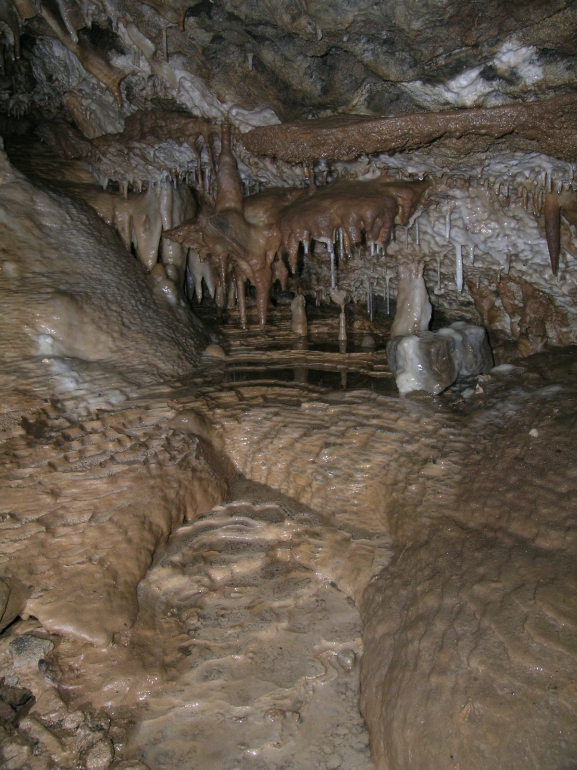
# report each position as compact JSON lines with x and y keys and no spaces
{"x":210,"y":554}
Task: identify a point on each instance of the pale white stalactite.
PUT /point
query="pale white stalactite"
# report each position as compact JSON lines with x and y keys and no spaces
{"x":459,"y":266}
{"x":178,"y":206}
{"x":147,"y":227}
{"x":388,"y":277}
{"x":148,"y":48}
{"x":417,"y":235}
{"x":165,"y":204}
{"x":196,"y":272}
{"x":413,"y":305}
{"x":341,"y":242}
{"x":249,"y":57}
{"x":448,"y":224}
{"x":123,"y":223}
{"x":331,"y":250}
{"x":207,"y":179}
{"x":136,"y":218}
{"x":67,"y":13}
{"x":472,"y":253}
{"x":201,"y":270}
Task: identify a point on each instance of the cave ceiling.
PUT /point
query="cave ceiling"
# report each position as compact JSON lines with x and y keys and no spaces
{"x":263,"y":62}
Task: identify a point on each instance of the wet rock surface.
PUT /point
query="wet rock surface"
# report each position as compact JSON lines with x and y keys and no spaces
{"x":473,"y":609}
{"x":418,"y":551}
{"x":268,"y":646}
{"x":432,"y":361}
{"x":264,"y":611}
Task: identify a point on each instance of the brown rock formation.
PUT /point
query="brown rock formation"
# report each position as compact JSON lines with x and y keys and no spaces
{"x":518,"y":311}
{"x":547,"y":126}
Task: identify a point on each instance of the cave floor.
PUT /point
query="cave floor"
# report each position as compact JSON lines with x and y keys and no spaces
{"x":245,"y":648}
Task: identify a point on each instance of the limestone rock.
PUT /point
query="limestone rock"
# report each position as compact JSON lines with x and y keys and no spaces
{"x":471,"y":353}
{"x":432,"y":361}
{"x":422,"y":361}
{"x":100,"y":755}
{"x":27,"y":650}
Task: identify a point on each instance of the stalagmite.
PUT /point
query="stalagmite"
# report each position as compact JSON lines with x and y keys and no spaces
{"x":299,"y":324}
{"x":413,"y":305}
{"x":552,"y":212}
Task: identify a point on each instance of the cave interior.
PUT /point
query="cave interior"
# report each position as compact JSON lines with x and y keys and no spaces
{"x":288,"y":413}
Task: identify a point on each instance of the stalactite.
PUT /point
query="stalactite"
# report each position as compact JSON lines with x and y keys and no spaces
{"x":388,"y":277}
{"x":91,"y":60}
{"x":552,"y":214}
{"x":459,"y":267}
{"x":331,"y":250}
{"x":165,"y":44}
{"x":341,"y":243}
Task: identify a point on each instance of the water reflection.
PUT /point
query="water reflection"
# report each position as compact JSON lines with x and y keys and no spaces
{"x":301,"y":373}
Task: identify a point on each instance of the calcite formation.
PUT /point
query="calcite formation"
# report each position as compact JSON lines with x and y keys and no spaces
{"x":352,"y":484}
{"x":432,"y":361}
{"x":546,"y":126}
{"x":346,"y":214}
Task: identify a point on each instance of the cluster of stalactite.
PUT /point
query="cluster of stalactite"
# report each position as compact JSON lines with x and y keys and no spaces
{"x":216,"y":239}
{"x":246,"y":239}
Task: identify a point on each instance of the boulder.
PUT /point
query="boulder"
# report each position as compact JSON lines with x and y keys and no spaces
{"x":432,"y":361}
